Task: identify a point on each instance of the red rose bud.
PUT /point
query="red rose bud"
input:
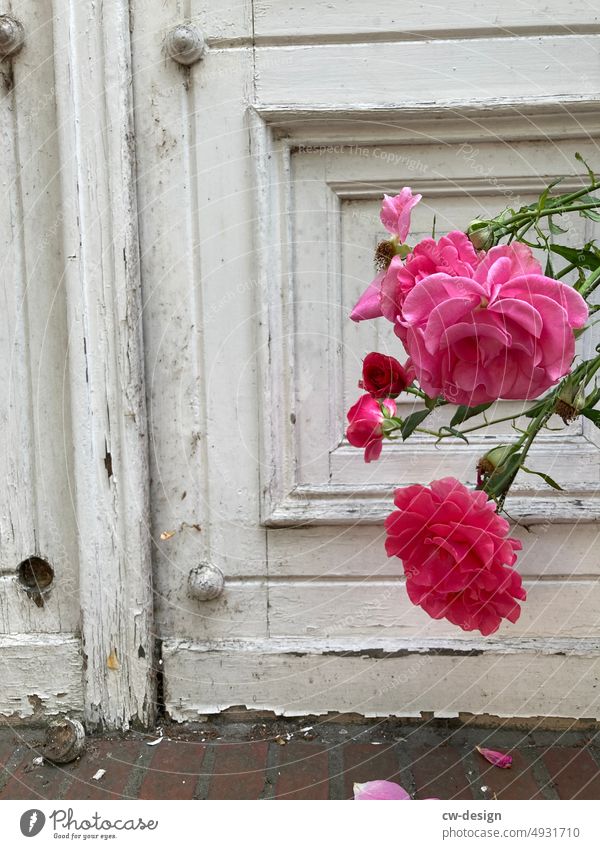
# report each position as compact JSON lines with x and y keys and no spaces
{"x":383,"y":377}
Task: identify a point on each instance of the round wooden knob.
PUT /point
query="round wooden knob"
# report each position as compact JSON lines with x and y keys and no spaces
{"x":185,"y":44}
{"x":65,"y":741}
{"x":12,"y":36}
{"x":206,"y":582}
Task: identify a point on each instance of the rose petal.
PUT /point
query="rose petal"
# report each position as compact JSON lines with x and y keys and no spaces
{"x":379,"y":790}
{"x":495,"y":758}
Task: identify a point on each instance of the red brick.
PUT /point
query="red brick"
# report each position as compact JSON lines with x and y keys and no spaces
{"x":23,"y":782}
{"x":303,"y":772}
{"x":518,"y":782}
{"x":439,"y":772}
{"x":174,"y":770}
{"x":120,"y":759}
{"x":31,"y":782}
{"x":239,"y":771}
{"x":573,"y":772}
{"x":368,"y":762}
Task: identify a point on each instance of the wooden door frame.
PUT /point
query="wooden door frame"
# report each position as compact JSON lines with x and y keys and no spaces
{"x":106,"y":364}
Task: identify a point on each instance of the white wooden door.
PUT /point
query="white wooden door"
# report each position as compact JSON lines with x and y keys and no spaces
{"x":261,"y":168}
{"x":75,"y":578}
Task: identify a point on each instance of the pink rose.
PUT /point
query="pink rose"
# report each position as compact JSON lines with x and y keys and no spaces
{"x":452,"y":254}
{"x":498,"y":334}
{"x":395,"y":212}
{"x":369,"y":304}
{"x":365,"y":429}
{"x":456,"y":555}
{"x":383,"y":377}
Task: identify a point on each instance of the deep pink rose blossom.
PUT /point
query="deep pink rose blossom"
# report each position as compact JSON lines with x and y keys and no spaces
{"x":395,"y":212}
{"x":498,"y":334}
{"x":452,"y":254}
{"x":457,"y":555}
{"x":365,"y":428}
{"x":383,"y":376}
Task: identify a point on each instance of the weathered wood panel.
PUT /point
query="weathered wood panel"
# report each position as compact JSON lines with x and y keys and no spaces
{"x":319,"y":608}
{"x":41,"y":676}
{"x":346,"y":552}
{"x":352,"y":19}
{"x":294,"y":680}
{"x":430,"y":74}
{"x":105,"y":368}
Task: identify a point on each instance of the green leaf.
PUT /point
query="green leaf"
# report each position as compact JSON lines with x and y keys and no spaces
{"x":544,"y":195}
{"x":464,"y":413}
{"x":589,"y":213}
{"x":532,"y":412}
{"x":453,"y":432}
{"x":550,"y":481}
{"x":592,"y":415}
{"x":580,"y":257}
{"x":413,"y":421}
{"x":555,"y":229}
{"x":591,"y":174}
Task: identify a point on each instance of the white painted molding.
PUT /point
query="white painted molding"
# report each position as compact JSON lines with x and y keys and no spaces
{"x":327,"y":499}
{"x":402,"y":680}
{"x":93,"y":85}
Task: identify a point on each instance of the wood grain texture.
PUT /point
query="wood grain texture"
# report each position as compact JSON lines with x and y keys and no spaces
{"x":106,"y":371}
{"x":348,"y":552}
{"x":41,"y":676}
{"x":432,"y":74}
{"x":302,"y":680}
{"x":36,"y":513}
{"x":338,"y":608}
{"x":200,"y":293}
{"x":351,"y":19}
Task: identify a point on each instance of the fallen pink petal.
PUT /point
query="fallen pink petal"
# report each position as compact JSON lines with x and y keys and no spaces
{"x":495,"y":758}
{"x":379,"y":790}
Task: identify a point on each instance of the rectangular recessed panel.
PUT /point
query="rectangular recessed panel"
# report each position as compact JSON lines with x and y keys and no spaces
{"x":335,"y":193}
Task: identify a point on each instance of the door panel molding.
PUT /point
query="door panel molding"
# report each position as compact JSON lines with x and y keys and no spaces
{"x":310,"y":474}
{"x":106,"y":367}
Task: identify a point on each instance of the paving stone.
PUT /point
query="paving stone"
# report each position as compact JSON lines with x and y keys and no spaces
{"x":121,"y":759}
{"x":173,"y":771}
{"x":518,"y":782}
{"x":369,"y":762}
{"x":239,"y":770}
{"x":303,"y":771}
{"x":574,"y":773}
{"x":439,"y":772}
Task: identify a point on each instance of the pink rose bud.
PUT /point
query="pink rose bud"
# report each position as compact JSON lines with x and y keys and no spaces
{"x":366,"y":425}
{"x":395,"y":212}
{"x":383,"y":376}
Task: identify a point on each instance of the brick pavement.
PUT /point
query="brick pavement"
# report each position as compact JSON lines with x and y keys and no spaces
{"x":283,"y":760}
